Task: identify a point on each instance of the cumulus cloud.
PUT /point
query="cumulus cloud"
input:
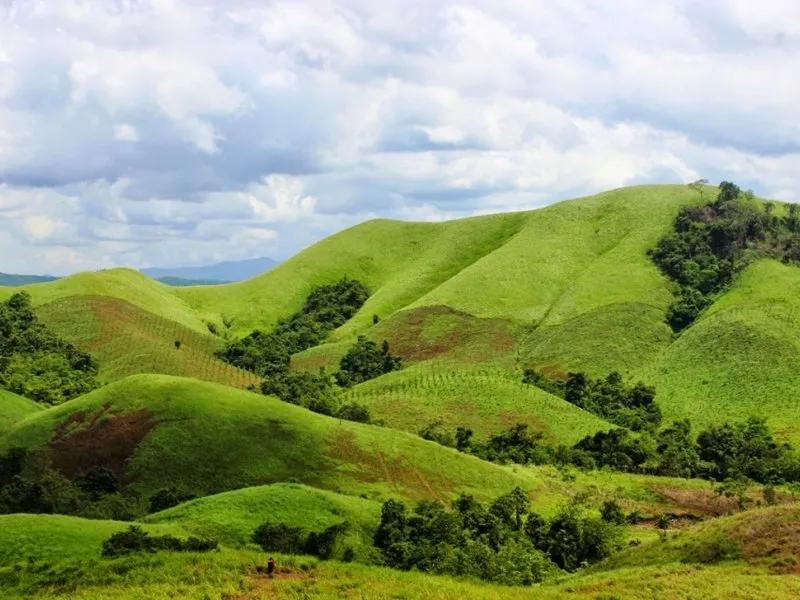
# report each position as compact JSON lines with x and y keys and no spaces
{"x":153,"y":132}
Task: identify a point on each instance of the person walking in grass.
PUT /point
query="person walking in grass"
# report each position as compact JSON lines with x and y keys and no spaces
{"x":270,"y":566}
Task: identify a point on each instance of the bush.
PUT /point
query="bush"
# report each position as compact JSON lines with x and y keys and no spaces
{"x":135,"y":539}
{"x":323,"y":544}
{"x":277,"y":537}
{"x":352,"y":411}
{"x":36,"y":363}
{"x":97,"y":482}
{"x":365,"y":361}
{"x":167,"y":498}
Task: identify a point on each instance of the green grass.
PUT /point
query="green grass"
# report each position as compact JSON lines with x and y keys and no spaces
{"x":767,"y":537}
{"x":231,"y":574}
{"x":740,"y":359}
{"x":126,"y":340}
{"x":231,"y":517}
{"x":57,"y":538}
{"x":14,"y":408}
{"x":123,"y":284}
{"x":485,"y":399}
{"x":212,"y":438}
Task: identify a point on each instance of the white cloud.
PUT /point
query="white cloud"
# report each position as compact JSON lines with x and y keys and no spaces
{"x":41,"y":227}
{"x":126,"y":133}
{"x":280,"y":198}
{"x":150,"y":132}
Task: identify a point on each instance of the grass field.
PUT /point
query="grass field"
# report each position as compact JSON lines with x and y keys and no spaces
{"x":70,"y":571}
{"x":740,"y":359}
{"x":485,"y":399}
{"x":157,"y":430}
{"x":231,"y":517}
{"x":126,"y":340}
{"x":467,"y":304}
{"x":14,"y":408}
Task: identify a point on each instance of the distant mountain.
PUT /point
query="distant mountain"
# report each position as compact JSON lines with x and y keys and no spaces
{"x":180,"y":282}
{"x":9,"y":280}
{"x":238,"y":270}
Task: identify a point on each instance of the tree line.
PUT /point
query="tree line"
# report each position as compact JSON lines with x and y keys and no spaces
{"x":609,"y":398}
{"x":711,"y":244}
{"x":29,"y":484}
{"x":727,"y":452}
{"x":35,"y":362}
{"x":503,"y":542}
{"x":269,"y":354}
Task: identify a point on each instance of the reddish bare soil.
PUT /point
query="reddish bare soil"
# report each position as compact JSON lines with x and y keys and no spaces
{"x":98,"y":440}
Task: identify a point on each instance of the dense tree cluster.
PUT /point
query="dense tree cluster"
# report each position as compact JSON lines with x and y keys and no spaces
{"x":36,"y":363}
{"x":743,"y":451}
{"x":631,"y":407}
{"x":365,"y":361}
{"x":279,"y":537}
{"x":720,"y":453}
{"x":711,"y":243}
{"x":326,"y":308}
{"x":135,"y":539}
{"x":269,"y":354}
{"x":503,"y":542}
{"x":28,"y":484}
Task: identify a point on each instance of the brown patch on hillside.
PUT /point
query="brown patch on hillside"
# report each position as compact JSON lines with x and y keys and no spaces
{"x":553,"y":372}
{"x":698,"y":502}
{"x":706,"y":503}
{"x":87,"y":440}
{"x":509,"y":418}
{"x":402,"y":476}
{"x":126,"y":340}
{"x":771,"y":536}
{"x":469,"y":337}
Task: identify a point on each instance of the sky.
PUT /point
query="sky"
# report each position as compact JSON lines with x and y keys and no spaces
{"x":171,"y":133}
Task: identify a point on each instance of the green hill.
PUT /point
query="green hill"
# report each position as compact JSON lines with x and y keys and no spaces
{"x":155,"y":431}
{"x":14,"y":408}
{"x":231,"y":517}
{"x":127,"y":340}
{"x":484,"y":399}
{"x":741,"y":357}
{"x":122,"y":284}
{"x":55,"y":538}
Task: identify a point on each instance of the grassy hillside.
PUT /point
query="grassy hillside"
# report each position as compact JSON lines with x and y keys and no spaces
{"x":740,"y":359}
{"x":156,"y":430}
{"x":14,"y":408}
{"x":126,"y":340}
{"x":231,"y":517}
{"x":231,"y":574}
{"x":55,"y":538}
{"x":399,"y":262}
{"x":768,"y":537}
{"x":576,"y":271}
{"x":122,"y":284}
{"x":485,"y":399}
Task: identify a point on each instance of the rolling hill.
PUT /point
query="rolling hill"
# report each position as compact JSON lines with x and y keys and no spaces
{"x":14,"y":408}
{"x":567,"y":287}
{"x":154,"y":431}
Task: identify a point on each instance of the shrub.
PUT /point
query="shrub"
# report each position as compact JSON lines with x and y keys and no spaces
{"x":97,"y":482}
{"x":278,"y":537}
{"x":135,"y":539}
{"x":167,"y":498}
{"x":323,"y":544}
{"x":353,"y":411}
